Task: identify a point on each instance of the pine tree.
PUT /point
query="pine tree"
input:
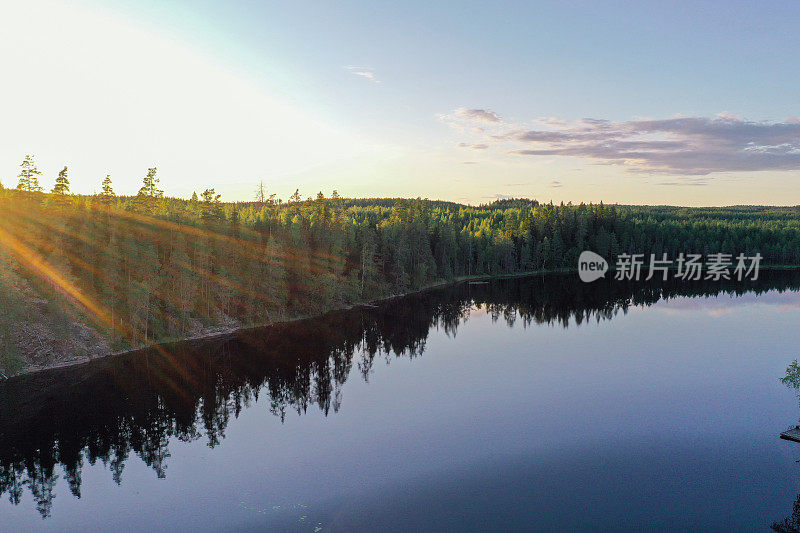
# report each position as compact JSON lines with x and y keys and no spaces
{"x":336,"y":204}
{"x":150,"y":185}
{"x":146,"y":198}
{"x":194,"y":205}
{"x":62,"y":183}
{"x":321,"y":211}
{"x":28,"y":180}
{"x":212,"y":207}
{"x":107,"y":192}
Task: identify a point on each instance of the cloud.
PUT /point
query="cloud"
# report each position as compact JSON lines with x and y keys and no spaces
{"x":473,"y":121}
{"x":468,"y":163}
{"x":555,"y":184}
{"x":476,"y":115}
{"x":689,"y":146}
{"x":364,"y":72}
{"x":552,"y":121}
{"x":480,"y":146}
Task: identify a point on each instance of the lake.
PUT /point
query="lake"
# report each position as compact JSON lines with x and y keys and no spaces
{"x":537,"y":403}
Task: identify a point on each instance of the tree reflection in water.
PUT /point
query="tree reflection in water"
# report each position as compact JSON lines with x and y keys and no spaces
{"x":137,"y":403}
{"x":791,"y":524}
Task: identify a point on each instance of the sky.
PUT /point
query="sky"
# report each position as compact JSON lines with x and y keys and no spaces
{"x":621,"y":102}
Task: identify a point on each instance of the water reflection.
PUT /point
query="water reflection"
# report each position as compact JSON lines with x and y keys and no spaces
{"x":791,"y":524}
{"x":136,"y":404}
{"x":792,"y":377}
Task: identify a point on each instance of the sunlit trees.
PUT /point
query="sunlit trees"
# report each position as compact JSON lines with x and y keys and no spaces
{"x":148,"y":194}
{"x":211,"y":209}
{"x":159,"y":267}
{"x":29,"y":176}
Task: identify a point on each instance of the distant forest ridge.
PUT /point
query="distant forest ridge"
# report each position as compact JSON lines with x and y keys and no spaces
{"x":28,"y":181}
{"x":86,"y":275}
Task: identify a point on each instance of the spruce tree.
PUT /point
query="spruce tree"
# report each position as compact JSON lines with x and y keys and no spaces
{"x":194,"y":204}
{"x":212,"y":206}
{"x":62,"y":183}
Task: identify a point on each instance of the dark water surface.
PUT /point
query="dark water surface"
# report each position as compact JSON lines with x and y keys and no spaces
{"x":532,"y":404}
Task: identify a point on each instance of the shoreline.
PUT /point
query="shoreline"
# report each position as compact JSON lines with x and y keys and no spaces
{"x":226,"y":333}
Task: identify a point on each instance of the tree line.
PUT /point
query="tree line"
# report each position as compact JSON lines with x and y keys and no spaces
{"x":149,"y":267}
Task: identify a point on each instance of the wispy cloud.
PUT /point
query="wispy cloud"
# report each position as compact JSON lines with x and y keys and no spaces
{"x":476,"y":115}
{"x":555,"y":184}
{"x":364,"y":72}
{"x":471,"y":120}
{"x":689,"y":146}
{"x":479,"y":146}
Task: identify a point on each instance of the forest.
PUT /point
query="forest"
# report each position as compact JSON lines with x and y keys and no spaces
{"x":112,"y":272}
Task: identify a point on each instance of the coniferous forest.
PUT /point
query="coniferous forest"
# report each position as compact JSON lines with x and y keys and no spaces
{"x":86,"y":275}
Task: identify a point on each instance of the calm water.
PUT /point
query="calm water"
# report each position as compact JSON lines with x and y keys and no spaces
{"x":533,"y":404}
